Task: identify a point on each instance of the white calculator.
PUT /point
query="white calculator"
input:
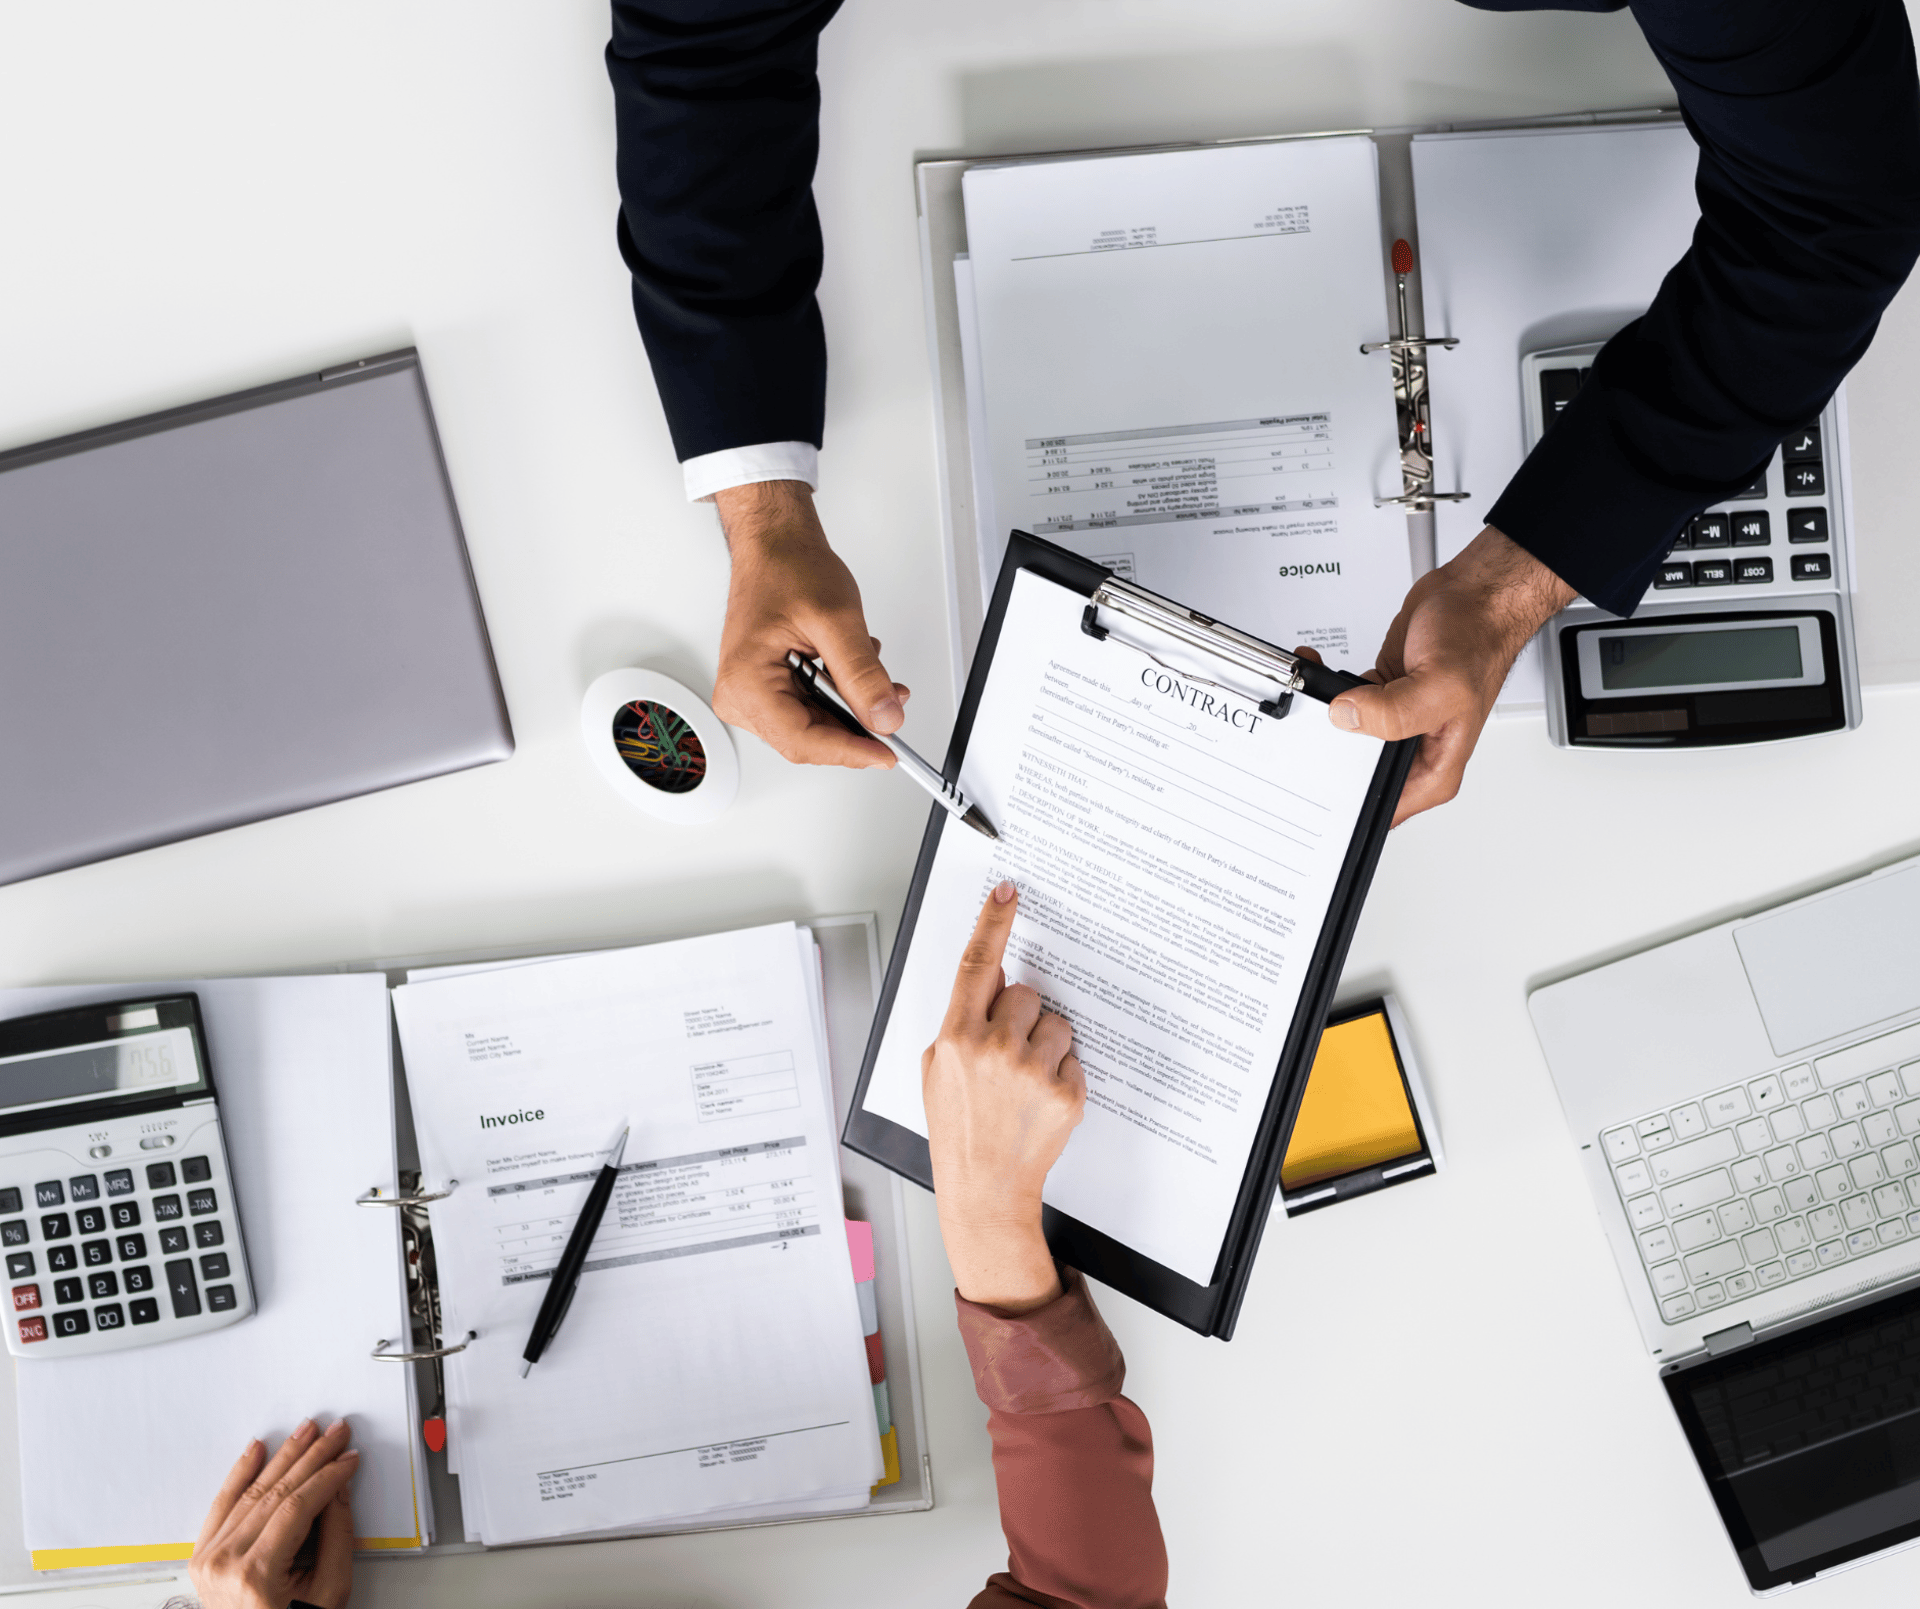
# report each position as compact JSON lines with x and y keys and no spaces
{"x":117,"y":1213}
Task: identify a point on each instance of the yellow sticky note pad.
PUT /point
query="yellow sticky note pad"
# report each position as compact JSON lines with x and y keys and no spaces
{"x":1355,"y":1113}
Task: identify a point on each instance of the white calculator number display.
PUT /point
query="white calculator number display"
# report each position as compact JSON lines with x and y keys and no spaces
{"x":119,"y":1229}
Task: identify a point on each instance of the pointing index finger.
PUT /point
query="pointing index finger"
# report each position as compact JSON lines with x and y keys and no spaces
{"x":980,"y":980}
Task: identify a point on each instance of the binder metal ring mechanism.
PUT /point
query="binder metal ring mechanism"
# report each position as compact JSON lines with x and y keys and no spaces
{"x":1034,"y":601}
{"x":428,"y":1345}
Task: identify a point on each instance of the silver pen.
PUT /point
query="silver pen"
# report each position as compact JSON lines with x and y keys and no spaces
{"x":816,"y":686}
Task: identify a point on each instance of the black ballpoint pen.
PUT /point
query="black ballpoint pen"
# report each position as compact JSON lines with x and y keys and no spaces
{"x":817,"y":688}
{"x":566,"y":1273}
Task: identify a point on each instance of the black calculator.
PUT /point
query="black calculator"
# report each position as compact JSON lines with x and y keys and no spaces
{"x":117,"y":1214}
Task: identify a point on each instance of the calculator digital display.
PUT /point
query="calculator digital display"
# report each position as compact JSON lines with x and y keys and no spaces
{"x":141,"y":1064}
{"x":1634,"y":660}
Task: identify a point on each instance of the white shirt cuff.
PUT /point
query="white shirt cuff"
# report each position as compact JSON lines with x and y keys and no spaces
{"x":742,"y":466}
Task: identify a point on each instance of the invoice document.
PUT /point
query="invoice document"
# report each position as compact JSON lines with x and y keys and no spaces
{"x":1176,"y":852}
{"x":712,"y":1362}
{"x":1164,"y":374}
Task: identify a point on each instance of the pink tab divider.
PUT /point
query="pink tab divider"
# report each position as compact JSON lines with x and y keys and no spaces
{"x":860,"y":1249}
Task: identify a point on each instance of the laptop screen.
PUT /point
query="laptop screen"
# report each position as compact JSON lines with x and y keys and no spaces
{"x":1810,"y":1442}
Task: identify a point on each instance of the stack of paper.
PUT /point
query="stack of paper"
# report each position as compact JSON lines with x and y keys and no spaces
{"x":121,"y":1453}
{"x":712,"y":1365}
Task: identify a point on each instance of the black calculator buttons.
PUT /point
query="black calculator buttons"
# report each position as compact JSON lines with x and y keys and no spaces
{"x":108,"y":1317}
{"x":74,"y":1323}
{"x":1710,"y":531}
{"x":1812,"y":567}
{"x":1674,"y":573}
{"x":67,"y":1290}
{"x":91,"y":1220}
{"x":95,"y":1253}
{"x":1806,"y":480}
{"x":120,"y":1182}
{"x":26,"y":1298}
{"x":159,"y":1175}
{"x":137,"y":1279}
{"x":220,"y":1299}
{"x":166,"y":1208}
{"x":14,"y":1233}
{"x":126,"y":1215}
{"x":131,"y":1248}
{"x":182,"y":1287}
{"x":1753,"y":530}
{"x":62,"y":1258}
{"x":196,"y":1169}
{"x":20,"y":1265}
{"x":1807,"y":525}
{"x":84,"y":1188}
{"x":1758,"y":488}
{"x":214,"y":1266}
{"x":101,"y":1286}
{"x":144,"y":1311}
{"x":172,"y":1240}
{"x":201,"y":1202}
{"x":1749,"y":571}
{"x":1803,"y":443}
{"x":56,"y":1226}
{"x":9,"y":1200}
{"x":52,"y":1193}
{"x":205,"y":1235}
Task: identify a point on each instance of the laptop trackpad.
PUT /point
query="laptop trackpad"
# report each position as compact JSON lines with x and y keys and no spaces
{"x":1836,"y":964}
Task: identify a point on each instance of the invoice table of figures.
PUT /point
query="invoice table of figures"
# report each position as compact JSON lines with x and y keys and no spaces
{"x":662,"y":1207}
{"x":1236,"y":467}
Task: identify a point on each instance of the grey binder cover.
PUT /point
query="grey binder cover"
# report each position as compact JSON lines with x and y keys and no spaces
{"x":230,"y":611}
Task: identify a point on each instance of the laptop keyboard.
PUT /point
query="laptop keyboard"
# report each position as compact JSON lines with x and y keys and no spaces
{"x":1774,"y":1180}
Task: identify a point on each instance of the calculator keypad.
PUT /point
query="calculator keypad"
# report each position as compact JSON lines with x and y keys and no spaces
{"x":126,"y":1247}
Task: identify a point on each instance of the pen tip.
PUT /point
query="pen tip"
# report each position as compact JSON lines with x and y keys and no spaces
{"x":526,"y":1367}
{"x":979,"y":823}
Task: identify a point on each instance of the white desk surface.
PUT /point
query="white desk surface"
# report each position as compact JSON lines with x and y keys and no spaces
{"x":1435,"y":1391}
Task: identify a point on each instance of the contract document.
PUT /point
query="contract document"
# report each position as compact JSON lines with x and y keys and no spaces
{"x":712,"y":1363}
{"x":1177,"y":850}
{"x":1163,"y":374}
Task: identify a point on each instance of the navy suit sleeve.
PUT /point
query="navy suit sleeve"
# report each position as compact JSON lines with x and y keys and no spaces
{"x":1807,"y":114}
{"x":717,"y":109}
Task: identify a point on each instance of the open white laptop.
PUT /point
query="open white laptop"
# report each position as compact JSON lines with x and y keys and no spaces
{"x":1746,"y":1103}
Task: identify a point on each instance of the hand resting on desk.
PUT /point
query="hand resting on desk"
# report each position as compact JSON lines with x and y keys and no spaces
{"x":251,"y":1551}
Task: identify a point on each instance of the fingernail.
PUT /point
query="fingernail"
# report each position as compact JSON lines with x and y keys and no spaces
{"x":350,"y":1456}
{"x":886,"y":715}
{"x":1345,"y":713}
{"x":335,"y":1426}
{"x":302,"y":1428}
{"x":250,"y":1448}
{"x":1004,"y":891}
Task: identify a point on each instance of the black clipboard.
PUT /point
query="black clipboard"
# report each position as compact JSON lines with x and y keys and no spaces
{"x":1214,"y":1308}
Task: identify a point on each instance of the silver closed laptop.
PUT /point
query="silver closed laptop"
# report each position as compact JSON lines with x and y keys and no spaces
{"x":230,"y":611}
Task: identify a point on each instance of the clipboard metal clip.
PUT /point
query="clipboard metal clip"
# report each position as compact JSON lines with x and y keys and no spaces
{"x":1197,"y":631}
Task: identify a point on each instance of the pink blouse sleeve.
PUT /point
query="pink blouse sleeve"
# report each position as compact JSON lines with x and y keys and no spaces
{"x":1072,"y":1458}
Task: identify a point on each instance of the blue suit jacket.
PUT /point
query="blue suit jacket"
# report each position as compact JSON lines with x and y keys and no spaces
{"x":1807,"y":114}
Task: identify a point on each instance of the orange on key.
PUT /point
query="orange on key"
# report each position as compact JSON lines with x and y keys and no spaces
{"x":33,"y":1329}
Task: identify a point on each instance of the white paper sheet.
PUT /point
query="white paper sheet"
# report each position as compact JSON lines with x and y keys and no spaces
{"x":127,"y":1449}
{"x":1165,"y":351}
{"x":1529,"y":240}
{"x":713,"y":1361}
{"x":1176,"y":853}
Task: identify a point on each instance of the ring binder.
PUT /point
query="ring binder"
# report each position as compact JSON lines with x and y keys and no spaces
{"x":380,"y":1351}
{"x":373,"y":1198}
{"x":1411,"y":401}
